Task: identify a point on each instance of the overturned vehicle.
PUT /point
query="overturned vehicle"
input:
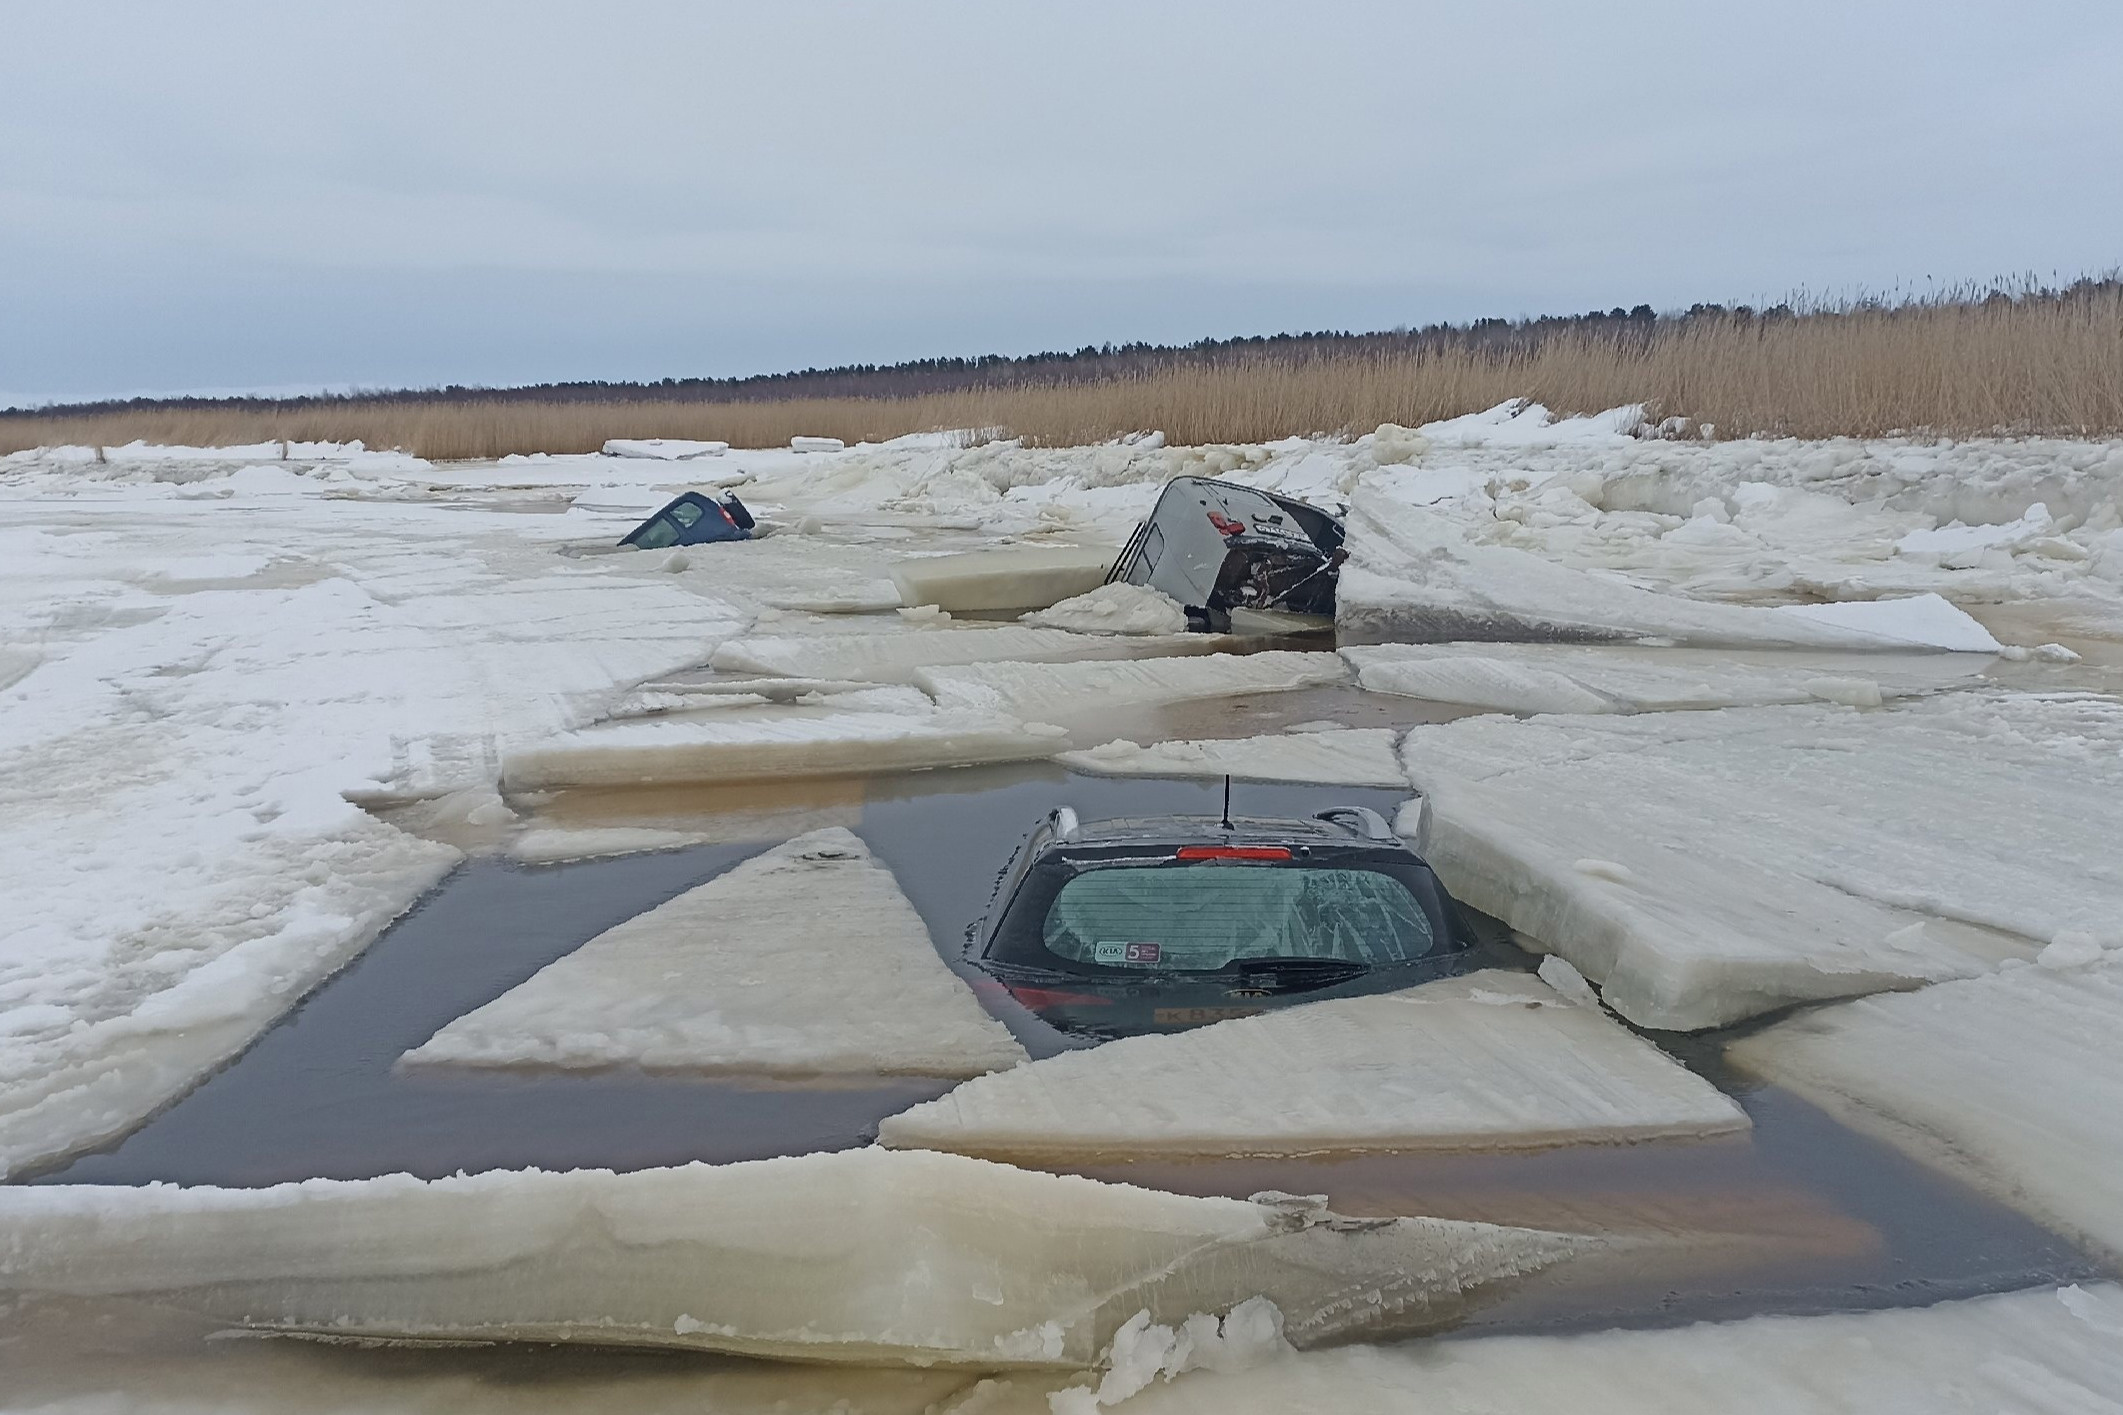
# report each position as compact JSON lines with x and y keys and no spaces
{"x":1238,"y":560}
{"x":692,"y":518}
{"x":1123,"y":927}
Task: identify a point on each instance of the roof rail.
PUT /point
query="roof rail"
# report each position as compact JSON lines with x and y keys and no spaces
{"x":1063,"y":822}
{"x":1361,"y":819}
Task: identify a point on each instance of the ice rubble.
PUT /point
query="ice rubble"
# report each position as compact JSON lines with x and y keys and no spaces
{"x":804,"y":960}
{"x":761,"y":743}
{"x":1071,"y":689}
{"x":1020,"y":577}
{"x":665,"y":449}
{"x":1492,"y":1059}
{"x":1115,"y":609}
{"x":1601,"y":678}
{"x":872,"y":1256}
{"x":1345,"y":757}
{"x":2014,"y":1081}
{"x":1707,"y":866}
{"x":1413,"y":575}
{"x":896,"y":658}
{"x":2039,"y":1352}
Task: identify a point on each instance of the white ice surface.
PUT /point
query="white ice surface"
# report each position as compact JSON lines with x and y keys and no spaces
{"x":666,"y":449}
{"x":1601,"y":678}
{"x":1707,"y":866}
{"x":1071,"y":689}
{"x":804,"y":960}
{"x":1491,"y":1060}
{"x":1362,"y":756}
{"x":2040,"y":1352}
{"x":1115,"y":609}
{"x":898,"y":657}
{"x":2014,"y":1081}
{"x":872,"y":1256}
{"x":1019,"y":577}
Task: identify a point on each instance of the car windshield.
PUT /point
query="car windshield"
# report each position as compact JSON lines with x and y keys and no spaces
{"x":1201,"y":918}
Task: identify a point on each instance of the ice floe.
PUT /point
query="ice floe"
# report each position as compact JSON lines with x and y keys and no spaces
{"x":663,"y":449}
{"x":1493,"y":1059}
{"x":1704,"y":867}
{"x":1115,"y":609}
{"x":1070,"y":689}
{"x":1019,"y":577}
{"x":804,"y":960}
{"x":1601,"y":678}
{"x":1362,"y":756}
{"x":870,"y":1256}
{"x":896,"y":658}
{"x":2013,"y":1081}
{"x":2020,"y":1353}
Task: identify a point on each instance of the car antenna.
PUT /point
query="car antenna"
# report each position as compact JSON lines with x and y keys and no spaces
{"x":1227,"y":802}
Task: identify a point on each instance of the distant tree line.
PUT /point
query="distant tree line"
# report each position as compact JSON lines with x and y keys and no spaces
{"x":1095,"y":363}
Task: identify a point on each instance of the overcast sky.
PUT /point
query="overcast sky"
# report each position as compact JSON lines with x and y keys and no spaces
{"x":217,"y":195}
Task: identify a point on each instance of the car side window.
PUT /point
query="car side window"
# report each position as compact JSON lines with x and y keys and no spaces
{"x":658,"y":534}
{"x":686,"y":513}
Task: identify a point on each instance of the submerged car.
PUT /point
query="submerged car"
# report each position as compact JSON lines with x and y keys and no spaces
{"x":1159,"y":924}
{"x":1225,"y":550}
{"x":693,"y":518}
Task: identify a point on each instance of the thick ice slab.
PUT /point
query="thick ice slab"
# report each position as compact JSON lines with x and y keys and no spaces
{"x":2013,"y":1081}
{"x":869,"y":1256}
{"x":898,"y":657}
{"x":1491,"y":1060}
{"x":1069,"y":689}
{"x":2040,"y":1352}
{"x":1534,"y":678}
{"x":1020,"y":577}
{"x":804,"y":960}
{"x":1352,"y":757}
{"x":1115,"y":609}
{"x":1414,"y":576}
{"x":765,"y":742}
{"x":1707,"y":866}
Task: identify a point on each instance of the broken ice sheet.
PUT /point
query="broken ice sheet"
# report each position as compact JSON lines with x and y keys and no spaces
{"x":1602,"y":678}
{"x":1493,"y":1059}
{"x":2013,"y":1081}
{"x":1352,"y":757}
{"x":1704,"y":867}
{"x":895,"y":657}
{"x":1048,"y":690}
{"x":869,"y":1256}
{"x":803,"y":960}
{"x":2021,"y":1353}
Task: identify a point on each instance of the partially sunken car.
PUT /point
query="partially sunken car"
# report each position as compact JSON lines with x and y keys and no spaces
{"x":1162,"y":923}
{"x":692,"y":518}
{"x":1237,"y":559}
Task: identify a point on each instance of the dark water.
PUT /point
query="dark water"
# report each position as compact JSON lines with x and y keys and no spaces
{"x":317,"y":1095}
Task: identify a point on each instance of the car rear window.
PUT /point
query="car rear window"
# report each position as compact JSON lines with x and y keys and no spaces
{"x":1204,"y":917}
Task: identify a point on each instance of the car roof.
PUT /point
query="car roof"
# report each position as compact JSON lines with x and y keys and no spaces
{"x":1182,"y":830}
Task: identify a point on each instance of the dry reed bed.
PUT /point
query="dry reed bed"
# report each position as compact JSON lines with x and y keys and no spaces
{"x":1944,"y":369}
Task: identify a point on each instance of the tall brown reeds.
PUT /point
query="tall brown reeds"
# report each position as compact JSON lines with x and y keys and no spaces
{"x":1956,"y":366}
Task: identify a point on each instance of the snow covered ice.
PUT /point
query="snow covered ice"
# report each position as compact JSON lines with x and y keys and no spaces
{"x":2013,"y":1081}
{"x":869,"y":1256}
{"x":2040,"y":1352}
{"x":1116,"y":609}
{"x":1074,"y":689}
{"x":1704,"y":867}
{"x":1581,"y":678}
{"x":1362,"y":756}
{"x":804,"y":960}
{"x":896,"y":658}
{"x":1493,"y":1059}
{"x":1019,"y":577}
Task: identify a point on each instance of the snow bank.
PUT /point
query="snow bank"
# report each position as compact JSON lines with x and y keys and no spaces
{"x":1080,"y":687}
{"x":2040,"y":1352}
{"x":1601,"y":678}
{"x":768,"y":741}
{"x":1351,"y":757}
{"x":2013,"y":1081}
{"x":868,"y":1256}
{"x":897,"y":657}
{"x":663,"y":449}
{"x":1707,"y":866}
{"x":804,"y":960}
{"x":1494,"y":1059}
{"x":1021,"y":577}
{"x":1116,"y":609}
{"x":1414,"y":576}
